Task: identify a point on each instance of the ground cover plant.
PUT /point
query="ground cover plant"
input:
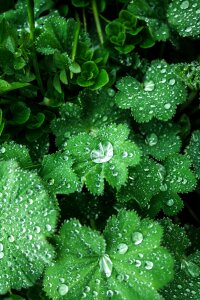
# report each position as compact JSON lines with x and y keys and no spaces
{"x":99,"y":150}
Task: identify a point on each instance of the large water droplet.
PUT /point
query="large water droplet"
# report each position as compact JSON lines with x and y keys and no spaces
{"x":106,"y":265}
{"x":148,"y":265}
{"x":184,"y":5}
{"x":103,"y":154}
{"x":170,"y":202}
{"x":149,"y":86}
{"x":122,"y":248}
{"x":63,"y":289}
{"x":172,"y":81}
{"x":167,"y":106}
{"x":137,"y":238}
{"x":151,"y":139}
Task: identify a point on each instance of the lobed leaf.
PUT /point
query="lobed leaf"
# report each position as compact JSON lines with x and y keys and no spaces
{"x":157,"y":97}
{"x":127,"y":261}
{"x":28,"y":217}
{"x":192,"y":151}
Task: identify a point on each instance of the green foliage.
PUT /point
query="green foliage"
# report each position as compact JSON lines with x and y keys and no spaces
{"x":184,"y":16}
{"x":103,"y":154}
{"x":107,"y":265}
{"x":99,"y":150}
{"x":158,"y":96}
{"x":24,"y":250}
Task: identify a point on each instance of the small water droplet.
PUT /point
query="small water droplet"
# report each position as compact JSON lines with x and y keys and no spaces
{"x":1,"y":255}
{"x":3,"y":150}
{"x":122,"y":248}
{"x":148,"y":265}
{"x":48,"y":227}
{"x":11,"y":238}
{"x":163,"y":187}
{"x":51,"y":181}
{"x":170,"y":202}
{"x":103,"y":154}
{"x":137,"y":238}
{"x":138,"y":263}
{"x":1,"y":247}
{"x":109,"y":293}
{"x":125,"y":154}
{"x":63,"y":289}
{"x":149,"y":86}
{"x":172,"y":81}
{"x":106,"y":265}
{"x":184,"y":5}
{"x":95,"y":293}
{"x":151,"y":139}
{"x":37,"y":229}
{"x":188,"y":29}
{"x":167,"y":106}
{"x":87,"y":289}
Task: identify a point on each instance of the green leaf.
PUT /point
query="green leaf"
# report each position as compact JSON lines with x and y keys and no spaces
{"x":7,"y":87}
{"x":128,"y":254}
{"x":36,"y":121}
{"x":101,"y":80}
{"x":144,"y":182}
{"x":56,"y":84}
{"x":57,"y":173}
{"x":158,"y":139}
{"x":96,"y":108}
{"x":116,"y":32}
{"x":161,"y":92}
{"x":13,"y":151}
{"x":192,"y":151}
{"x":80,"y":3}
{"x":104,"y":154}
{"x":184,"y":16}
{"x":57,"y":36}
{"x":21,"y":113}
{"x":28,"y":217}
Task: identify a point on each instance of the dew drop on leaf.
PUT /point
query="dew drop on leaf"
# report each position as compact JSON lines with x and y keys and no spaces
{"x":106,"y":265}
{"x":151,"y":139}
{"x":167,"y":106}
{"x":138,"y":263}
{"x":63,"y":289}
{"x":149,"y":86}
{"x":103,"y":154}
{"x":163,"y":187}
{"x":122,"y":248}
{"x":1,"y":255}
{"x":170,"y":202}
{"x":184,"y":5}
{"x":172,"y":81}
{"x":11,"y":238}
{"x":191,"y":268}
{"x":1,"y":247}
{"x":137,"y":238}
{"x":109,"y":293}
{"x":148,"y":265}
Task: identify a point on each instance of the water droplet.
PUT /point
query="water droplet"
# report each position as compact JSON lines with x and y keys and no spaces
{"x":1,"y":255}
{"x":95,"y":293}
{"x":167,"y":106}
{"x":111,"y":92}
{"x":179,"y":286}
{"x":11,"y":238}
{"x":137,"y":238}
{"x":149,"y":86}
{"x":51,"y":181}
{"x":122,"y":248}
{"x":37,"y":229}
{"x":172,"y":81}
{"x":163,"y":187}
{"x":184,"y":5}
{"x":170,"y":202}
{"x":198,"y":11}
{"x":109,"y":293}
{"x":3,"y":150}
{"x":125,"y":154}
{"x":87,"y":289}
{"x":148,"y":265}
{"x":191,"y":268}
{"x":97,"y":281}
{"x":188,"y":29}
{"x":106,"y":265}
{"x":48,"y":227}
{"x":63,"y":289}
{"x":120,"y":277}
{"x":1,"y":247}
{"x":151,"y":139}
{"x":138,"y":263}
{"x":62,"y":280}
{"x":103,"y":154}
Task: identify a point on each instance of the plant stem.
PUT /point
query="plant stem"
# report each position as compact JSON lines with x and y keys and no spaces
{"x":97,"y":21}
{"x":31,"y":20}
{"x":84,"y":20}
{"x":75,"y":43}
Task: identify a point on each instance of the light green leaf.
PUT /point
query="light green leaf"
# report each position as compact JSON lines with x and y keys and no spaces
{"x":56,"y":171}
{"x":27,"y":217}
{"x":110,"y":149}
{"x":192,"y":151}
{"x":158,"y":96}
{"x":184,"y":16}
{"x":127,"y":261}
{"x":7,"y":87}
